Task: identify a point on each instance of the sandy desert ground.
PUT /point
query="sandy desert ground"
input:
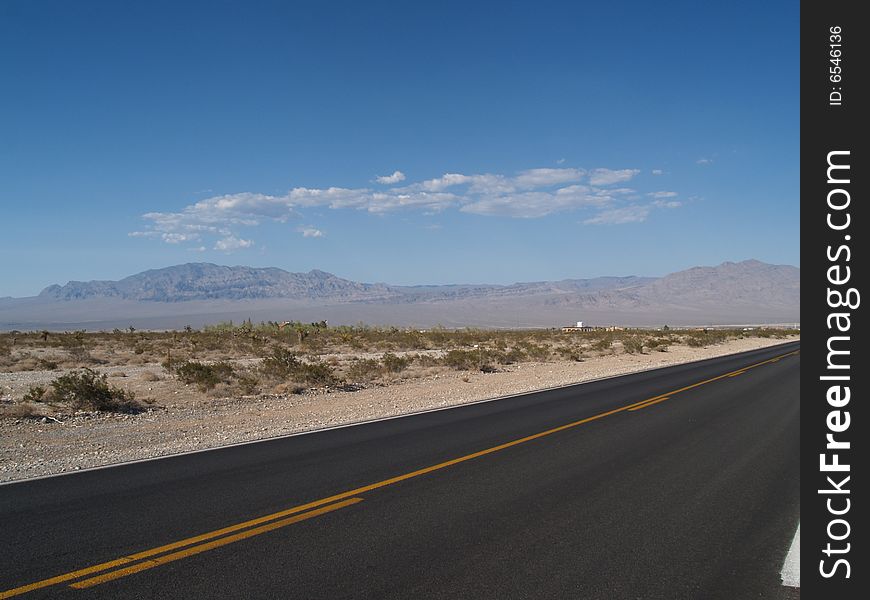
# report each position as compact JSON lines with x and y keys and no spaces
{"x":42,"y":438}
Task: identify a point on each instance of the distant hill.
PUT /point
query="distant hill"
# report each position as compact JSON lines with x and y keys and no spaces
{"x":731,"y":293}
{"x":206,"y":281}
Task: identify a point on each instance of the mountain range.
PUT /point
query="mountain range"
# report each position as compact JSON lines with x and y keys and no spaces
{"x":195,"y":293}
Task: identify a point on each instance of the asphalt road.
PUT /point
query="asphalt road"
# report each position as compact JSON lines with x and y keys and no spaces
{"x":565,"y":493}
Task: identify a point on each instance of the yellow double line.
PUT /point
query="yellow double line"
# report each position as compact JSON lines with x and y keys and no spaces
{"x":150,"y":562}
{"x":740,"y":371}
{"x":161,"y":555}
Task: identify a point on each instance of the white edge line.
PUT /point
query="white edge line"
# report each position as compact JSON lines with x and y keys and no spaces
{"x":791,"y":568}
{"x":379,"y":419}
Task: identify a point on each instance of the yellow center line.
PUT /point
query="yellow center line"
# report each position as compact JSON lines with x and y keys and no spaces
{"x":168,"y":558}
{"x":354,"y":492}
{"x":648,"y":403}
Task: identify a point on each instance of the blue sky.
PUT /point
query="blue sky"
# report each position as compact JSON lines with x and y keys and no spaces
{"x":398,"y":142}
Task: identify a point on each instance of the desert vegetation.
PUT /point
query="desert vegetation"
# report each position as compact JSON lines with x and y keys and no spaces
{"x":247,"y":359}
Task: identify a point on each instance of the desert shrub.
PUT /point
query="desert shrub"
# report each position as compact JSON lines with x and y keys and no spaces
{"x":536,"y":352}
{"x":5,"y":348}
{"x":36,"y":393}
{"x":462,"y":360}
{"x":87,"y":389}
{"x":248,"y":383}
{"x":632,"y":345}
{"x":315,"y":374}
{"x":204,"y":376}
{"x":395,"y":364}
{"x":695,"y":341}
{"x":79,"y":354}
{"x":142,"y":347}
{"x":285,"y":364}
{"x":365,"y":369}
{"x":470,"y":360}
{"x":603,"y":344}
{"x":426,"y":360}
{"x":281,"y":364}
{"x":46,"y":364}
{"x":570,"y":353}
{"x":514,"y":355}
{"x":657,"y":344}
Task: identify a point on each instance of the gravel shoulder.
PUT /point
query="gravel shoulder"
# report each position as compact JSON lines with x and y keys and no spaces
{"x":182,"y":422}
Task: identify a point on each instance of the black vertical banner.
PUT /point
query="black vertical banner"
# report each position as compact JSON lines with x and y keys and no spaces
{"x":834,"y":224}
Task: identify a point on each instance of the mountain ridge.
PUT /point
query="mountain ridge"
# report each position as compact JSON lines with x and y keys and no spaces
{"x":199,"y":293}
{"x":745,"y":282}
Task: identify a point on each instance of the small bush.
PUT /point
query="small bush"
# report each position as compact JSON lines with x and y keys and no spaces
{"x":315,"y":374}
{"x":365,"y":369}
{"x":536,"y":352}
{"x":462,"y":360}
{"x":514,"y":355}
{"x":632,"y":345}
{"x":427,"y":360}
{"x":284,"y":364}
{"x":395,"y":364}
{"x":36,"y":393}
{"x":248,"y":383}
{"x":569,"y":353}
{"x":79,"y":353}
{"x":603,"y":344}
{"x":46,"y":364}
{"x":87,"y":389}
{"x":204,"y":376}
{"x":281,"y":364}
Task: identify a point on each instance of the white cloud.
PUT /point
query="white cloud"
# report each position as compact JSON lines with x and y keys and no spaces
{"x":530,"y":205}
{"x":658,"y":172}
{"x":609,"y":176}
{"x":445,"y":181}
{"x":530,"y":193}
{"x":614,"y":191}
{"x":667,"y":204}
{"x":177,"y":238}
{"x":620,"y":216}
{"x":632,"y":213}
{"x":309,"y":231}
{"x":231,"y":242}
{"x":396,"y":177}
{"x":534,"y":178}
{"x":704,"y":161}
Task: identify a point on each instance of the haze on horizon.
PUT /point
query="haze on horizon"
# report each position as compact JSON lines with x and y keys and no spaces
{"x":388,"y":143}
